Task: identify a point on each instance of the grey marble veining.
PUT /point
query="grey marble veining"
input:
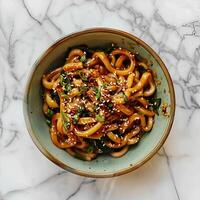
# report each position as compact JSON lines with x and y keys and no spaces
{"x":171,"y":27}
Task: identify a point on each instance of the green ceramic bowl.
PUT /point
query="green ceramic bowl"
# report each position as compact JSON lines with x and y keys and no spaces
{"x":102,"y":166}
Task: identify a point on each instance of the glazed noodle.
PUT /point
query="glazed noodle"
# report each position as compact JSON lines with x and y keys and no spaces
{"x":99,"y":101}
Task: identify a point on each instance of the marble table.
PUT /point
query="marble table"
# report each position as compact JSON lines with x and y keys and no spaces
{"x":171,"y":27}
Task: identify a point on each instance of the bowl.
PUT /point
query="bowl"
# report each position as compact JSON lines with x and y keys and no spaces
{"x":102,"y":166}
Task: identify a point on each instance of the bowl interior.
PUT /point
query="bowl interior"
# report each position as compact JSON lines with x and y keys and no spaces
{"x":102,"y":165}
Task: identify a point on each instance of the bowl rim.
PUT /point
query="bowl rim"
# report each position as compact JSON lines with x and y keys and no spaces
{"x":104,"y":174}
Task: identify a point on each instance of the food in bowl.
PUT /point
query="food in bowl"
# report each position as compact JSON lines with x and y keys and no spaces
{"x":104,"y":165}
{"x":102,"y":100}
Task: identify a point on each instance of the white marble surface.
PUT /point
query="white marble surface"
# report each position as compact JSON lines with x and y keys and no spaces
{"x":171,"y":27}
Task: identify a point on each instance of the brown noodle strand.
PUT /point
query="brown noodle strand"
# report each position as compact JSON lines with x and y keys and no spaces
{"x":99,"y":100}
{"x":120,"y":153}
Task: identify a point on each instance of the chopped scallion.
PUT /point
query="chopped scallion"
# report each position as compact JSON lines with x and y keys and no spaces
{"x":66,"y":120}
{"x":50,"y":113}
{"x":125,"y":98}
{"x":48,"y":122}
{"x":154,"y":104}
{"x":76,"y":117}
{"x":97,"y":92}
{"x":90,"y":149}
{"x":83,"y":58}
{"x":83,"y":90}
{"x":100,"y":118}
{"x":82,"y":76}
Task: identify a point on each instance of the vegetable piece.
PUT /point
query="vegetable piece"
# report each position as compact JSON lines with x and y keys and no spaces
{"x":65,"y":82}
{"x":100,"y":118}
{"x":83,"y":58}
{"x":125,"y":98}
{"x":65,"y":96}
{"x":97,"y":92}
{"x":76,"y":117}
{"x":66,"y":120}
{"x":154,"y":104}
{"x":48,"y":122}
{"x":65,"y":116}
{"x":82,"y":75}
{"x":110,"y":105}
{"x":79,"y":156}
{"x":90,"y":149}
{"x":83,"y":90}
{"x":55,"y":96}
{"x":50,"y":113}
{"x":80,"y":111}
{"x":104,"y":85}
{"x":101,"y":146}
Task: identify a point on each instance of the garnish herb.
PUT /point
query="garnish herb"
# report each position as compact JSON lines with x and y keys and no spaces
{"x":65,"y":82}
{"x":50,"y":113}
{"x":55,"y":96}
{"x":66,"y":125}
{"x":90,"y":149}
{"x":80,"y":111}
{"x":83,"y":58}
{"x":154,"y":104}
{"x":104,"y":85}
{"x":66,"y":120}
{"x":76,"y":117}
{"x":79,"y":156}
{"x":100,"y":118}
{"x":97,"y":92}
{"x":82,"y":76}
{"x":48,"y":122}
{"x":101,"y":146}
{"x":83,"y":90}
{"x":110,"y":105}
{"x":125,"y":98}
{"x":64,"y":95}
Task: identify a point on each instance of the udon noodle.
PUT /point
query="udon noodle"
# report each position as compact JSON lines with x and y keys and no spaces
{"x":99,"y":101}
